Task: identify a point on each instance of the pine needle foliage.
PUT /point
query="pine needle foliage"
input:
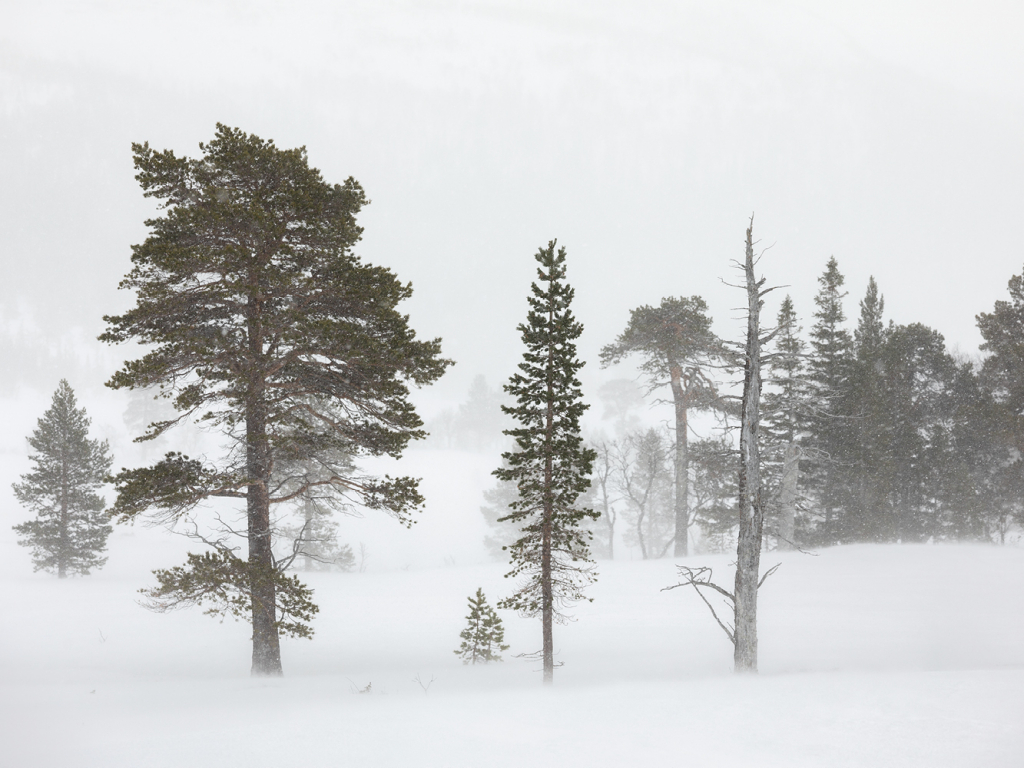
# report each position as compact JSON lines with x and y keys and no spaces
{"x":260,"y":322}
{"x":483,"y":639}
{"x":69,"y":534}
{"x":550,"y":466}
{"x":220,"y":582}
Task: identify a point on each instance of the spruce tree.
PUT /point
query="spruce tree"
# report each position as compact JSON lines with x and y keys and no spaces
{"x":869,"y":461}
{"x":483,"y":639}
{"x":69,"y":533}
{"x":784,"y":424}
{"x":550,"y":466}
{"x":829,"y":378}
{"x":260,"y":321}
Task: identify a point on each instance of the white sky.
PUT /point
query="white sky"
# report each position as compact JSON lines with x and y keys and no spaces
{"x":640,"y":134}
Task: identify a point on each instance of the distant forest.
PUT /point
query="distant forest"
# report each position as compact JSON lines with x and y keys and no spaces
{"x":877,"y":433}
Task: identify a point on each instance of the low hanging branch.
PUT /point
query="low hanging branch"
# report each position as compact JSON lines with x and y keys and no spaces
{"x":701,"y":577}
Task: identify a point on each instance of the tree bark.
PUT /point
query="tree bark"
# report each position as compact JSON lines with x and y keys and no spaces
{"x":307,"y":509}
{"x":748,"y":549}
{"x":547,"y":593}
{"x":682,"y":466}
{"x":266,"y":645}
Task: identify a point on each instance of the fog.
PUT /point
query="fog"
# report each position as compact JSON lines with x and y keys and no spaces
{"x":642,"y":136}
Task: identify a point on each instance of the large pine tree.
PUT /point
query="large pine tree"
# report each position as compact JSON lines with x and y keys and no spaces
{"x":677,"y":347}
{"x":550,"y":466}
{"x":69,"y":533}
{"x":262,"y":322}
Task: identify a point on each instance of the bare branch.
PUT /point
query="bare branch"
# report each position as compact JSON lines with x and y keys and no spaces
{"x":701,"y":577}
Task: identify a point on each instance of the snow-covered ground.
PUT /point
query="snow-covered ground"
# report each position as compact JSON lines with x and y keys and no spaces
{"x":870,"y":656}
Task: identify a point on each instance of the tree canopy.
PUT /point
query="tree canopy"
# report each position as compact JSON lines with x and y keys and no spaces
{"x":262,"y":323}
{"x":676,"y":347}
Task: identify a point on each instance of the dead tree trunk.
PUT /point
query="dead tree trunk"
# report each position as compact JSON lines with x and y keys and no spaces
{"x":748,"y":549}
{"x":743,"y":632}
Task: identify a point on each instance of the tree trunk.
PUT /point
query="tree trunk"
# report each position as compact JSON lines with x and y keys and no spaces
{"x":64,"y":542}
{"x":640,"y":534}
{"x":307,"y":509}
{"x":547,"y":600}
{"x":266,"y":648}
{"x":787,"y":497}
{"x":748,"y":550}
{"x":682,"y":466}
{"x":609,"y":521}
{"x":611,"y":536}
{"x":547,"y":593}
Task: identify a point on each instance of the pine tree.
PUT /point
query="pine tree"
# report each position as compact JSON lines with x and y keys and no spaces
{"x":1002,"y":380}
{"x":262,"y":322}
{"x":829,"y":379}
{"x":677,"y":346}
{"x":483,"y":639}
{"x":70,"y":531}
{"x":550,"y":466}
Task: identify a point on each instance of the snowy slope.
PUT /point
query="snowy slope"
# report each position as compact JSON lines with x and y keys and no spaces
{"x":871,"y":656}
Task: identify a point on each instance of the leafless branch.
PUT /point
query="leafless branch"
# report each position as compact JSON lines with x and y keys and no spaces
{"x":768,"y":573}
{"x":701,"y":577}
{"x":421,"y":684}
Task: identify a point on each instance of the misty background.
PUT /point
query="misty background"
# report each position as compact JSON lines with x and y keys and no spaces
{"x":641,"y":135}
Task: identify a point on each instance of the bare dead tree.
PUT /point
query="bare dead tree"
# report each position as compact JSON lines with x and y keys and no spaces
{"x":751,"y":501}
{"x":743,"y":631}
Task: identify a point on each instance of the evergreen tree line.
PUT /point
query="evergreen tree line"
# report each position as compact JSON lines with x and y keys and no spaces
{"x":881,"y":434}
{"x":896,"y":438}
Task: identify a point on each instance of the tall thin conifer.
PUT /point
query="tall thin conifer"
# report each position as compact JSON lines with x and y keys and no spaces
{"x":550,"y":466}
